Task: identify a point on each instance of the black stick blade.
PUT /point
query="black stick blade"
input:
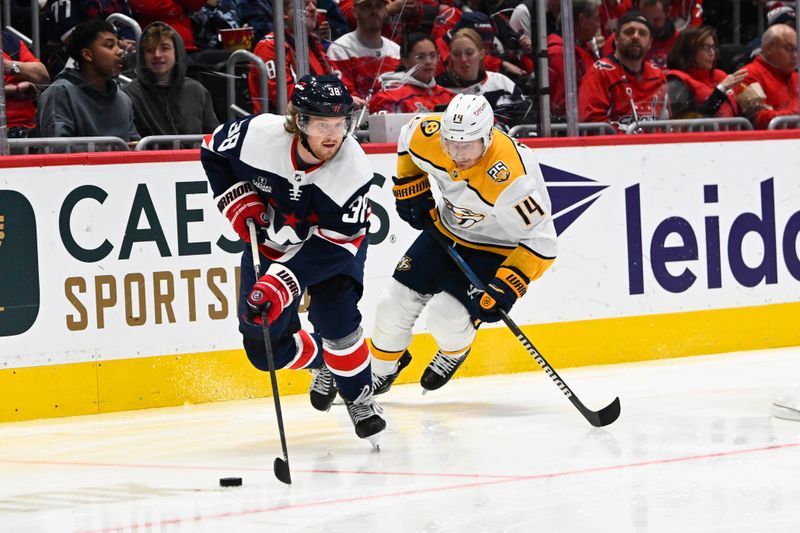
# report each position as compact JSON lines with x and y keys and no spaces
{"x":605,"y":416}
{"x":281,"y":468}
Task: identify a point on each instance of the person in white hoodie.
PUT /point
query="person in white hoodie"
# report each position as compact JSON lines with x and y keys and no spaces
{"x":413,"y":88}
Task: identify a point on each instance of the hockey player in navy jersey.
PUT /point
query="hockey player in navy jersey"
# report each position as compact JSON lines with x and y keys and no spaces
{"x":494,"y":206}
{"x":304,"y":181}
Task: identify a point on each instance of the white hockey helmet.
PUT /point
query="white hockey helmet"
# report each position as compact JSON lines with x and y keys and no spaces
{"x":468,"y":117}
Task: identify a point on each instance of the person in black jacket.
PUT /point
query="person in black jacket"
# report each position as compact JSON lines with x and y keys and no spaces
{"x":165,"y":101}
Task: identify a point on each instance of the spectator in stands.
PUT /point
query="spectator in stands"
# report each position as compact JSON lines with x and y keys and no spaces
{"x":317,"y":59}
{"x":686,"y":13}
{"x":696,"y":88}
{"x":624,"y":88}
{"x":664,"y":32}
{"x":257,"y":14}
{"x":610,"y":13}
{"x":402,"y":16}
{"x":586,"y":21}
{"x":482,"y":24}
{"x":165,"y":101}
{"x":173,"y":12}
{"x":22,"y":72}
{"x":779,"y":14}
{"x":774,"y":70}
{"x":413,"y":88}
{"x":61,"y":17}
{"x":209,"y":20}
{"x":86,"y":101}
{"x":520,"y":20}
{"x":466,"y":73}
{"x":334,"y":17}
{"x":364,"y":54}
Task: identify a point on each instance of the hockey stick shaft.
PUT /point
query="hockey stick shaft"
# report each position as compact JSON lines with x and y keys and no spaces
{"x":281,"y":468}
{"x":600,"y":418}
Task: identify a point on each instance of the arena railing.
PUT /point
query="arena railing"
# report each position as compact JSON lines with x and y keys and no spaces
{"x":560,"y":130}
{"x":240,"y":56}
{"x":690,"y":125}
{"x":61,"y":145}
{"x":784,"y":123}
{"x":33,"y":43}
{"x":170,"y":142}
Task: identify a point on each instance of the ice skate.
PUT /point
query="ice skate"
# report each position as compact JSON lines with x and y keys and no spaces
{"x":786,"y":404}
{"x":323,"y":388}
{"x":382,"y":384}
{"x":440,"y":370}
{"x":366,"y":416}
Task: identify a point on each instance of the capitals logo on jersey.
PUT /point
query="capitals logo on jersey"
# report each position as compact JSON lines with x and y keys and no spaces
{"x":499,"y":172}
{"x":466,"y":218}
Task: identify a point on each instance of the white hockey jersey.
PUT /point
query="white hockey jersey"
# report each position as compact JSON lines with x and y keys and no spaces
{"x":500,"y":205}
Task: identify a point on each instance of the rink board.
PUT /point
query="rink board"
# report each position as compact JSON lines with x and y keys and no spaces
{"x":120,"y":278}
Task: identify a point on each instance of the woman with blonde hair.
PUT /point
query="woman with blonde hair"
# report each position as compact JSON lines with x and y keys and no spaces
{"x":466,"y":74}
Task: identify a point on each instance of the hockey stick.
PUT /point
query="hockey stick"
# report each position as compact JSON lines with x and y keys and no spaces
{"x":281,"y":466}
{"x":604,"y":416}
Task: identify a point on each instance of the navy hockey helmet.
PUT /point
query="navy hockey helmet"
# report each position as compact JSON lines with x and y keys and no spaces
{"x":322,"y":96}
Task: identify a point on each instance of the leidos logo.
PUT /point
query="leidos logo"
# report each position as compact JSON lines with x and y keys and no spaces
{"x":570,"y":195}
{"x":19,"y":282}
{"x":748,"y":269}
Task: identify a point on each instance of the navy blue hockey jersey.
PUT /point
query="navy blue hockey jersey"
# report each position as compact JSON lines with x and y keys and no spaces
{"x":318,"y":218}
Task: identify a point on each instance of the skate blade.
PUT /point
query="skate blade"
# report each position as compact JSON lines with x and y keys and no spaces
{"x":785,"y":413}
{"x":374,"y":440}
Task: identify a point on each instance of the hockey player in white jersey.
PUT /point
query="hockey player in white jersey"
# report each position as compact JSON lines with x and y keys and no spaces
{"x":304,"y":181}
{"x":494,"y":206}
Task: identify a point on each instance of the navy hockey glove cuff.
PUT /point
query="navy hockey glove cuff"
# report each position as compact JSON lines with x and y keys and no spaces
{"x":273,"y":292}
{"x":239,"y":203}
{"x":413,"y":199}
{"x":505,"y":288}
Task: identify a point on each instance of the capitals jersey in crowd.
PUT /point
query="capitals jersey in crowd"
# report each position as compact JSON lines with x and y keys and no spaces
{"x":501,"y":205}
{"x":317,"y":217}
{"x":359,"y":65}
{"x":611,"y":93}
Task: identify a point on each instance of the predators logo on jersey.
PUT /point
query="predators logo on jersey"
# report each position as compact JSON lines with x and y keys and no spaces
{"x":404,"y":264}
{"x":429,"y":127}
{"x":499,"y":172}
{"x":466,"y":218}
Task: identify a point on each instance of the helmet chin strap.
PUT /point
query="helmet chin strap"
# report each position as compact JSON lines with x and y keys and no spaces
{"x":304,"y":142}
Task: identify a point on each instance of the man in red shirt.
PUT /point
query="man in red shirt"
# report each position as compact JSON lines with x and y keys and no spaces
{"x":362,"y":55}
{"x":624,"y":88}
{"x":774,"y":69}
{"x":22,"y":72}
{"x":586,"y":18}
{"x":265,"y":49}
{"x":664,"y":32}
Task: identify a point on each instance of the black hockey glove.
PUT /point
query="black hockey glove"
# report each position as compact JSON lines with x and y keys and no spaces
{"x":501,"y":293}
{"x":413,"y":199}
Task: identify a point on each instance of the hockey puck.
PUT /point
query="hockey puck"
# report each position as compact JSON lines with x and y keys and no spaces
{"x":230,"y":482}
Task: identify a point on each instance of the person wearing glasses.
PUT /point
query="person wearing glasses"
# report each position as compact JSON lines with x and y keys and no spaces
{"x":412,"y":88}
{"x":696,"y":88}
{"x":775,"y":70}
